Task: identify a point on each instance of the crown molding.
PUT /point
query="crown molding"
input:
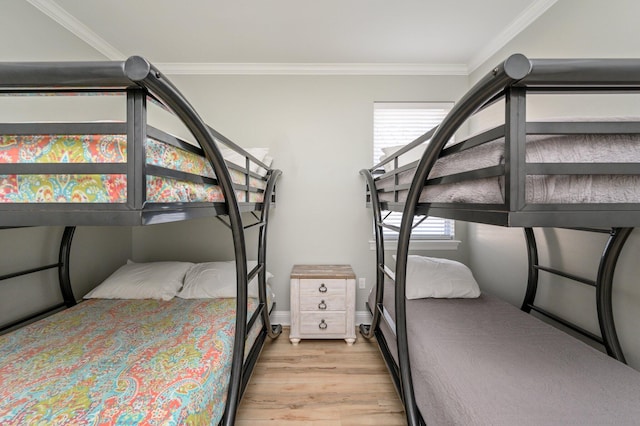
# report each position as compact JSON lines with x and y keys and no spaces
{"x":54,"y":11}
{"x":310,"y":69}
{"x":68,"y":21}
{"x":532,"y":13}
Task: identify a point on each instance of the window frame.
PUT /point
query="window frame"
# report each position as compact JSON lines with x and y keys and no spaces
{"x":406,"y":132}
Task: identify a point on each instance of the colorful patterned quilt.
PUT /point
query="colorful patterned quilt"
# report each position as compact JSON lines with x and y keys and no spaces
{"x":121,"y":362}
{"x":111,"y":149}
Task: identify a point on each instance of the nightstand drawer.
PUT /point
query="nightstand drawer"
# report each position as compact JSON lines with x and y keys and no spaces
{"x":322,"y":287}
{"x":322,"y":323}
{"x":323,"y":303}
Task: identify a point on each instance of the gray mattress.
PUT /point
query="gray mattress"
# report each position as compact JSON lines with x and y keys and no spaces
{"x":484,"y":362}
{"x":566,"y":189}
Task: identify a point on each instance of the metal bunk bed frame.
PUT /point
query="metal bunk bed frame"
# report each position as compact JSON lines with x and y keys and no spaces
{"x":140,"y":79}
{"x":511,"y":80}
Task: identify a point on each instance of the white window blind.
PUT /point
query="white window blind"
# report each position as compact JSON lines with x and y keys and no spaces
{"x":399,"y":123}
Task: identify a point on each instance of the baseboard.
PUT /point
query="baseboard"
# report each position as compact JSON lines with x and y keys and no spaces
{"x":281,"y":317}
{"x":284,"y":317}
{"x":363,"y":317}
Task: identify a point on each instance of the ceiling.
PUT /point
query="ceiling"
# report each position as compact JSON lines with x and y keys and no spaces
{"x":209,"y":36}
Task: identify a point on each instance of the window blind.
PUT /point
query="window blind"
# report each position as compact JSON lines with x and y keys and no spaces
{"x":399,"y":123}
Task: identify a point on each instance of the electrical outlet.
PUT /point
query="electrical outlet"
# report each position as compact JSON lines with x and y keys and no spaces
{"x":362,"y":283}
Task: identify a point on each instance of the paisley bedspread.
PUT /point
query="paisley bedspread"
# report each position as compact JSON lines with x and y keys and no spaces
{"x":107,"y":188}
{"x":121,"y":362}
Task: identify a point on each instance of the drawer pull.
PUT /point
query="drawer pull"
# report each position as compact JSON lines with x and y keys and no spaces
{"x":323,"y":288}
{"x":323,"y":325}
{"x":322,"y":305}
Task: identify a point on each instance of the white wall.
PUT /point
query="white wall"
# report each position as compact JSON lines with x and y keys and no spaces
{"x":29,"y":35}
{"x":320,"y":131}
{"x":572,"y":29}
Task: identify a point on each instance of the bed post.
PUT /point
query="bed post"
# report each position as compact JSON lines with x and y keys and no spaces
{"x":511,"y":70}
{"x":532,"y":281}
{"x":64,"y":267}
{"x":140,"y":71}
{"x":137,"y":132}
{"x":604,"y":287}
{"x":514,"y":150}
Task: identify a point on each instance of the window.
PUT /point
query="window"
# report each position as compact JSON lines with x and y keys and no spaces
{"x":399,"y":123}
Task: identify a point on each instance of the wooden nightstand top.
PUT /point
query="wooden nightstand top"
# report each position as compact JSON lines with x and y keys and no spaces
{"x":322,"y":271}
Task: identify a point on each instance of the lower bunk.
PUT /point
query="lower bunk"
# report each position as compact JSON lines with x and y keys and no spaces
{"x":482,"y":361}
{"x":132,"y":355}
{"x":476,"y":360}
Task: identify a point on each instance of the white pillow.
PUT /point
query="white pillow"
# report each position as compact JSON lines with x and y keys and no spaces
{"x":211,"y":280}
{"x":240,"y":160}
{"x":153,"y":280}
{"x":439,"y":278}
{"x":409,"y":157}
{"x":267,"y":160}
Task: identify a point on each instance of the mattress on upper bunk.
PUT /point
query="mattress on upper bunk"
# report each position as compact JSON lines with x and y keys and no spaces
{"x":484,"y":362}
{"x":122,"y":362}
{"x":540,"y":189}
{"x":109,"y":188}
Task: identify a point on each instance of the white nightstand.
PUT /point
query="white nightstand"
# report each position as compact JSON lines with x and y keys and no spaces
{"x":323,"y":299}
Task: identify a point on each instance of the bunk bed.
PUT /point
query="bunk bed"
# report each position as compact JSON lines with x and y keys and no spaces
{"x":479,"y":360}
{"x":126,"y":173}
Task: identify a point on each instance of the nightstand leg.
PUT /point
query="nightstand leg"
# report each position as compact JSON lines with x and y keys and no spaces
{"x":295,"y":341}
{"x":350,"y":341}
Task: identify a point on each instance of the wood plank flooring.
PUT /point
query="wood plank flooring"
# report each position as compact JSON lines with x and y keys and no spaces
{"x":320,"y":383}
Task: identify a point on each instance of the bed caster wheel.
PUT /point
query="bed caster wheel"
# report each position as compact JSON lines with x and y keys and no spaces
{"x":367,"y":331}
{"x":276,"y":330}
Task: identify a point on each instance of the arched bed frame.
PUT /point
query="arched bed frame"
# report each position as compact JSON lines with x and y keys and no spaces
{"x":141,"y":81}
{"x":510,"y":81}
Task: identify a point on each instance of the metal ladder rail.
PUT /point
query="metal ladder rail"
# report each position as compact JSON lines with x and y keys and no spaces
{"x":368,"y":331}
{"x":603,"y":285}
{"x":373,"y":330}
{"x":273,"y":331}
{"x":63,"y":279}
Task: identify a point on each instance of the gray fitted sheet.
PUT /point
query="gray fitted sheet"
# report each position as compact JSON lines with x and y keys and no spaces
{"x":484,"y":362}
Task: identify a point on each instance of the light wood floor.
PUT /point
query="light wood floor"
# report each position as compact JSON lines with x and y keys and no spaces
{"x":320,"y":383}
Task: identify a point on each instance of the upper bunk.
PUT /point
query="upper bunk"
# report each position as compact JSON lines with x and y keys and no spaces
{"x":558,"y":172}
{"x":127,"y":171}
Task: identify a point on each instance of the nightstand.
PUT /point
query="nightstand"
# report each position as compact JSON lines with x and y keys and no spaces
{"x":323,"y":299}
